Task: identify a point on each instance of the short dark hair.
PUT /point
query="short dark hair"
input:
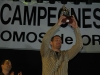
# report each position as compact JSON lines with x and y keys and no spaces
{"x":4,"y":61}
{"x":54,"y":36}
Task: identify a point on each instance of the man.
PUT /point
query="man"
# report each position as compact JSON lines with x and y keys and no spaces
{"x":55,"y":61}
{"x":6,"y":67}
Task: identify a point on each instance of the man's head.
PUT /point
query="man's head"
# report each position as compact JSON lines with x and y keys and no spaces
{"x":6,"y":65}
{"x":56,"y":42}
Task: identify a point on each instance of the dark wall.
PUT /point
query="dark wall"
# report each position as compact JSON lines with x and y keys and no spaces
{"x":29,"y":62}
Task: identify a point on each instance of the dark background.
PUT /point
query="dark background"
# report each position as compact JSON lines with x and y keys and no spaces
{"x":29,"y":62}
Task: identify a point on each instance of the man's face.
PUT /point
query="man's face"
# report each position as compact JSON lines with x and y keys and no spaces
{"x":7,"y":65}
{"x":56,"y":43}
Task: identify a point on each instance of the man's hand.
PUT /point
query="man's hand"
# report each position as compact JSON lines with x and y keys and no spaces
{"x":60,"y":22}
{"x":74,"y":22}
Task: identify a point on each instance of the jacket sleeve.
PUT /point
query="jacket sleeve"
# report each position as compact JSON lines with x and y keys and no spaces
{"x":46,"y":39}
{"x":78,"y":45}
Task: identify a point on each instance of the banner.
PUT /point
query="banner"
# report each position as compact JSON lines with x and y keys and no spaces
{"x":23,"y":26}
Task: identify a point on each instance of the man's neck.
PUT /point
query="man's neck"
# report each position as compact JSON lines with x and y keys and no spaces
{"x":56,"y":50}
